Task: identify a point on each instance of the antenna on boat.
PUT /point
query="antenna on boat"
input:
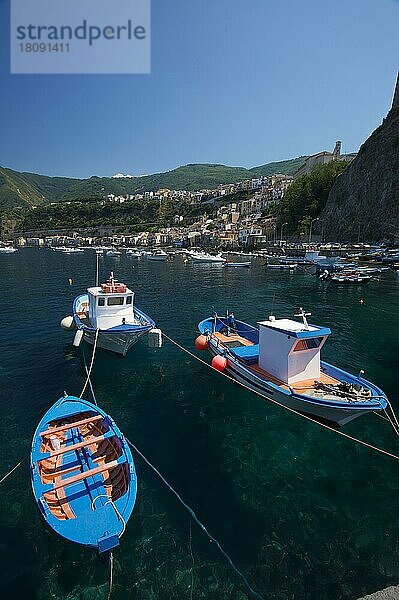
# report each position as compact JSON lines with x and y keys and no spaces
{"x":215,"y":316}
{"x":301,"y":313}
{"x":272,"y":309}
{"x":97,"y":270}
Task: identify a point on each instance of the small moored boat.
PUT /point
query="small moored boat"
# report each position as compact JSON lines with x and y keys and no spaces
{"x":158,"y":255}
{"x":133,"y":253}
{"x":204,"y":257}
{"x":82,"y":473}
{"x":110,"y":309}
{"x":350,"y":278}
{"x":245,"y":265}
{"x":280,"y":359}
{"x":282,"y":267}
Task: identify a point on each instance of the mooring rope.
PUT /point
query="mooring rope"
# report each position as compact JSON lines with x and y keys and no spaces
{"x":192,"y":564}
{"x":91,"y":363}
{"x":11,"y":471}
{"x":290,"y":409}
{"x":394,"y":424}
{"x":90,"y":384}
{"x":111,"y":574}
{"x":196,"y":519}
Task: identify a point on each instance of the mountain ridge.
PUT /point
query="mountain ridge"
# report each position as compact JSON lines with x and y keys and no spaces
{"x":24,"y":189}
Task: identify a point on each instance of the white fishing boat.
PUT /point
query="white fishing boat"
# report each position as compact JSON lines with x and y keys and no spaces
{"x":7,"y":250}
{"x":350,"y":278}
{"x":113,"y":253}
{"x":133,"y":254}
{"x":235,"y":265}
{"x":282,"y":267}
{"x":72,"y":250}
{"x":107,"y":312}
{"x":312,"y":257}
{"x":204,"y":257}
{"x":280,"y":359}
{"x":157,"y":255}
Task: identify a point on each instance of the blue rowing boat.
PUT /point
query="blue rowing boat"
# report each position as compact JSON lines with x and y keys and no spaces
{"x":82,"y":474}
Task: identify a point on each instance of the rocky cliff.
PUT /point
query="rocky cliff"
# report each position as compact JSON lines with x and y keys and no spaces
{"x":364,"y":200}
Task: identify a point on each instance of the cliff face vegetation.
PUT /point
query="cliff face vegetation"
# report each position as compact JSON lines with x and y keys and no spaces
{"x":363,"y":203}
{"x":307,"y":196}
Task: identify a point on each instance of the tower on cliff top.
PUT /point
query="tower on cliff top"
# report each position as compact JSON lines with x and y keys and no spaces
{"x":395,"y":101}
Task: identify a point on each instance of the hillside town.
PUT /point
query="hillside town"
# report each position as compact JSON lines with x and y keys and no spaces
{"x":232,"y":223}
{"x":241,"y":215}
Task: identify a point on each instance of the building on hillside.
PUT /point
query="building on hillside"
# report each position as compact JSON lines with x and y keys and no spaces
{"x":322,"y":158}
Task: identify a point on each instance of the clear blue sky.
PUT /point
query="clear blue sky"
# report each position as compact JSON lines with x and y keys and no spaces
{"x":239,"y":82}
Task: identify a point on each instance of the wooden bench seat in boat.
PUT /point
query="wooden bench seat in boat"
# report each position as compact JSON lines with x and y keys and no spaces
{"x":86,"y":442}
{"x":93,"y":419}
{"x":233,"y":337}
{"x":85,"y":474}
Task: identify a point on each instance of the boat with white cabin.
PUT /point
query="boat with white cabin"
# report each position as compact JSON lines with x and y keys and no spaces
{"x":110,"y":310}
{"x":204,"y":257}
{"x":280,"y":359}
{"x":133,"y":254}
{"x":157,"y":255}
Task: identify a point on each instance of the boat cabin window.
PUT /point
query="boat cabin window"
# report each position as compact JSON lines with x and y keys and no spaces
{"x":101,"y":302}
{"x":308,"y":344}
{"x":116,"y":301}
{"x":128,"y":300}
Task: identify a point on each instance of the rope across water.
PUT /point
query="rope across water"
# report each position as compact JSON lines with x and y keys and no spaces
{"x":91,"y":363}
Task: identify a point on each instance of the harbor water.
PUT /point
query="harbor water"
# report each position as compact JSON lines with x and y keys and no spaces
{"x":303,"y":512}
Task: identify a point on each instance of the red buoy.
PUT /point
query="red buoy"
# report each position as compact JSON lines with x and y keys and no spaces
{"x":201,"y":342}
{"x":219,"y":362}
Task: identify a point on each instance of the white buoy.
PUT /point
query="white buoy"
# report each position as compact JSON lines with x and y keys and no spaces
{"x":155,"y":338}
{"x":78,"y":338}
{"x":68,"y":323}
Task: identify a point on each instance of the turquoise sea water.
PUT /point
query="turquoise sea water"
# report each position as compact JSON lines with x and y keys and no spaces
{"x":305,"y":513}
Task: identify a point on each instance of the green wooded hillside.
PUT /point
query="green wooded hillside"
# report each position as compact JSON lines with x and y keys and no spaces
{"x":306,"y":198}
{"x":30,"y":189}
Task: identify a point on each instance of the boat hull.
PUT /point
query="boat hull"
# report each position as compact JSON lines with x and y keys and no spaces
{"x":336,"y":416}
{"x":243,"y":265}
{"x":208,"y":261}
{"x":120,"y":343}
